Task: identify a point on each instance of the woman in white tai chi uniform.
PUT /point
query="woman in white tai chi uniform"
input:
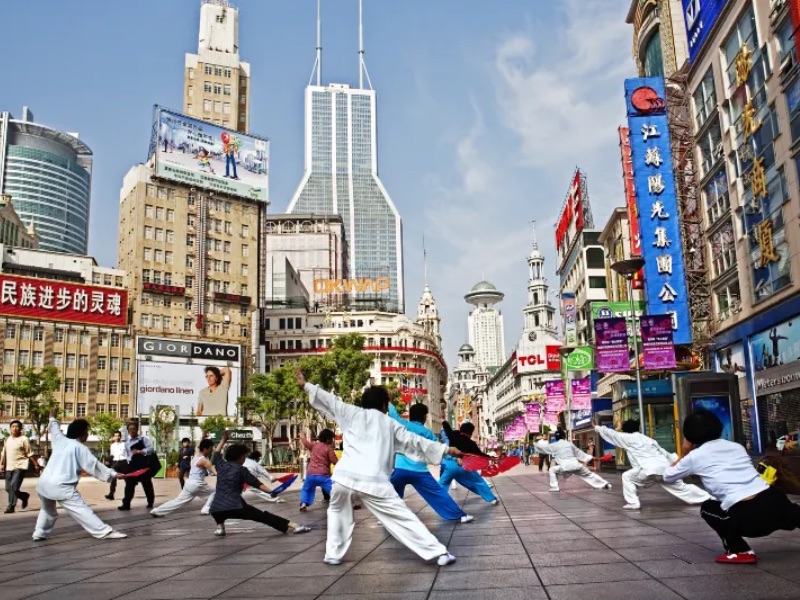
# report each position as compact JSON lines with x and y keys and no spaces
{"x":59,"y":482}
{"x":371,"y":440}
{"x":648,"y":463}
{"x":196,"y":485}
{"x":570,"y":460}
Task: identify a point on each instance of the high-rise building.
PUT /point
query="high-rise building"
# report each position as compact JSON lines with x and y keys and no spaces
{"x":659,"y":36}
{"x":341,"y":177}
{"x":217,"y":84}
{"x":49,"y":174}
{"x":485,"y":325}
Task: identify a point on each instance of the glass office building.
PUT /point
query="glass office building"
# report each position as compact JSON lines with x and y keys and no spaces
{"x":48,"y":174}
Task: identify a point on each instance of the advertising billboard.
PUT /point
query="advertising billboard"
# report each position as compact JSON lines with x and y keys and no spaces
{"x":731,"y":359}
{"x":209,"y":156}
{"x":720,"y":406}
{"x":206,"y":351}
{"x":775,"y":354}
{"x":575,"y":215}
{"x":51,"y":300}
{"x":612,"y":350}
{"x":699,"y":17}
{"x":204,"y":389}
{"x":570,"y":312}
{"x":657,"y":205}
{"x":658,"y":350}
{"x":531,"y":357}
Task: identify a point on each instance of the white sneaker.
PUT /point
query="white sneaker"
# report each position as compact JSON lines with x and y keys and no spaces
{"x":446,"y":559}
{"x":219,"y":531}
{"x":205,"y":512}
{"x":554,"y":489}
{"x":495,"y":502}
{"x":114,"y":535}
{"x":331,"y":561}
{"x":631,"y":507}
{"x":453,"y":485}
{"x":607,"y":486}
{"x":39,"y":538}
{"x":301,"y":529}
{"x":490,"y":484}
{"x":467,"y":519}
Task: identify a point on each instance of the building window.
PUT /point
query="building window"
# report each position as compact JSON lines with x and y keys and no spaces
{"x":112,"y":409}
{"x":100,"y":408}
{"x":744,"y":32}
{"x":728,"y":300}
{"x":243,"y":331}
{"x":206,"y":105}
{"x":101,"y":363}
{"x":83,"y":386}
{"x":69,"y":384}
{"x":124,"y":411}
{"x":191,"y":73}
{"x":69,"y":409}
{"x":245,"y":250}
{"x":710,"y":145}
{"x":126,"y":364}
{"x":187,"y":324}
{"x":723,"y":249}
{"x":83,"y":361}
{"x":115,"y":340}
{"x":115,"y":364}
{"x":653,"y":59}
{"x":8,"y":357}
{"x":113,"y":387}
{"x":209,"y":69}
{"x":38,"y":333}
{"x":705,"y":99}
{"x":227,"y":247}
{"x":144,"y":320}
{"x":597,"y":283}
{"x":227,"y":72}
{"x":148,"y":232}
{"x":147,"y":254}
{"x":24,"y":358}
{"x":38,"y":359}
{"x":217,"y":106}
{"x":58,"y":335}
{"x":101,"y":386}
{"x":245,"y":230}
{"x":126,"y":387}
{"x":11,"y":331}
{"x":81,"y":409}
{"x":148,"y":212}
{"x":25,"y":332}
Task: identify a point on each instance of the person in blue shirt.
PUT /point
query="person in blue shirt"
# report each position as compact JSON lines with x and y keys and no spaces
{"x":453,"y":471}
{"x":416,"y":474}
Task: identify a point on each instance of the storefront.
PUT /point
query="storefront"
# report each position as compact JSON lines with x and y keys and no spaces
{"x":583,"y":423}
{"x":659,"y":407}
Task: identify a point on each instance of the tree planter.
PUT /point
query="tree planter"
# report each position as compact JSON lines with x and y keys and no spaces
{"x":172,"y":471}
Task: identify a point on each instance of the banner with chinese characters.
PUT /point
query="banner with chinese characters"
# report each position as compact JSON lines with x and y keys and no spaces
{"x":570,"y":312}
{"x":556,"y":400}
{"x":658,"y":349}
{"x":581,"y":394}
{"x":630,"y":201}
{"x":532,"y":420}
{"x":611,"y":345}
{"x":51,"y":300}
{"x":657,"y":206}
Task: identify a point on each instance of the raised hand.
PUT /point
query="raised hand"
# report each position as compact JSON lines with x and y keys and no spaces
{"x":301,"y":379}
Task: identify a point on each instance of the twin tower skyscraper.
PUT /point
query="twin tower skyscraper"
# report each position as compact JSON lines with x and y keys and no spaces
{"x":341,"y":173}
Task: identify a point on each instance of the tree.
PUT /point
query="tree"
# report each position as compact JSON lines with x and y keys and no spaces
{"x":344,"y":370}
{"x":104,"y":426}
{"x":272,"y":399}
{"x":396,"y":397}
{"x":35,"y":388}
{"x":215,"y":424}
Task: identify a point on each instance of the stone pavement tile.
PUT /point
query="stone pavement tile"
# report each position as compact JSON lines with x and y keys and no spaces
{"x":243,"y":558}
{"x":625,"y":531}
{"x":608,"y":524}
{"x":480,"y":580}
{"x":486,"y":550}
{"x":289,"y":587}
{"x":566,"y":546}
{"x":648,"y":589}
{"x":590,"y":573}
{"x":14,"y":574}
{"x":782,"y":565}
{"x":764,"y":545}
{"x":761,"y":586}
{"x":553,"y":536}
{"x":134,"y":574}
{"x":316,"y":556}
{"x":179,"y":560}
{"x":395,"y":583}
{"x":228,"y":572}
{"x":172,"y":589}
{"x":542,"y":557}
{"x":60,"y":576}
{"x":531,"y":593}
{"x":487,"y":563}
{"x":84,"y":591}
{"x":661,"y":569}
{"x":378,"y":596}
{"x":533,"y":529}
{"x":664,"y":539}
{"x":686,"y":550}
{"x":488,"y":540}
{"x":11,"y":592}
{"x":416,"y":565}
{"x":314,"y":569}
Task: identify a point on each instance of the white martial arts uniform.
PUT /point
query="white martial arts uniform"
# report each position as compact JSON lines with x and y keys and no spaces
{"x":59,"y":484}
{"x":569,"y":461}
{"x":371,"y":440}
{"x":648,"y":463}
{"x":194,"y":487}
{"x":262,"y":474}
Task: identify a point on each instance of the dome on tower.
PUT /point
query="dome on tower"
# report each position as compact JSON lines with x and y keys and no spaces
{"x":466,"y":348}
{"x":484,"y":293}
{"x":483,"y":286}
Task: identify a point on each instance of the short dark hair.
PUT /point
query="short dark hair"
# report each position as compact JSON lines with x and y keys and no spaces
{"x":255,"y":455}
{"x":204,"y":444}
{"x":217,"y":373}
{"x":119,"y":433}
{"x":77,"y":428}
{"x":467,"y":428}
{"x":132,"y":424}
{"x":630,"y":426}
{"x":559,"y":435}
{"x":325,"y":436}
{"x":17,"y":421}
{"x":375,"y":397}
{"x":235,"y":452}
{"x":418,"y":412}
{"x":702,"y":426}
{"x":186,"y":440}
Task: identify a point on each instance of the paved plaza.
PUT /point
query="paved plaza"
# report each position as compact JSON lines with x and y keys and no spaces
{"x":577,"y":544}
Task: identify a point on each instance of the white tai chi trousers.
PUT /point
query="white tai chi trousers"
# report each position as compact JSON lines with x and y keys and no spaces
{"x":392,"y":513}
{"x":262,"y":495}
{"x":76,"y":508}
{"x":632,"y":479}
{"x":191,"y":489}
{"x":593,"y":479}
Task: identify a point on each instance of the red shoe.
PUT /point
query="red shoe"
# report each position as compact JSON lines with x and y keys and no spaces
{"x":741,"y":558}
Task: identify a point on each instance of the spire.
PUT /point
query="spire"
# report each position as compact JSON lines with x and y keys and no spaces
{"x":424,"y":261}
{"x":318,"y":62}
{"x":362,"y":66}
{"x":535,"y":243}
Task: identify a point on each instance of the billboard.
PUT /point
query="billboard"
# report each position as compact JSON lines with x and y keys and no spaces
{"x":657,"y":205}
{"x":570,"y":312}
{"x":699,"y":17}
{"x":658,"y":350}
{"x":209,"y":156}
{"x":775,"y":356}
{"x":730,"y":359}
{"x":50,"y":300}
{"x":204,"y":389}
{"x":529,"y":358}
{"x":575,"y":215}
{"x":612,"y":349}
{"x":205,"y":351}
{"x":351,"y":286}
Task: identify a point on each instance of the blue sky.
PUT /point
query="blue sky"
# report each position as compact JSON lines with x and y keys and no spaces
{"x":485,"y":107}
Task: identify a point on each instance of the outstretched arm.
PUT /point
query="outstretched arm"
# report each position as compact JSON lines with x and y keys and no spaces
{"x":417,"y":448}
{"x":620,"y":440}
{"x":327,"y":403}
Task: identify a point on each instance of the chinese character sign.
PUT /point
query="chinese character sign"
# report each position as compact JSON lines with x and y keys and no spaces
{"x":611,"y":350}
{"x":570,"y":312}
{"x":657,"y":206}
{"x":51,"y":300}
{"x":556,"y":400}
{"x":630,"y":191}
{"x":581,"y":394}
{"x":658,"y":350}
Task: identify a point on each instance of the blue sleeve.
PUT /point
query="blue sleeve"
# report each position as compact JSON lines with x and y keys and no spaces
{"x":396,"y":416}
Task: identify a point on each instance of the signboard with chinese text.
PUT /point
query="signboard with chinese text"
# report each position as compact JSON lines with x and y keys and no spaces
{"x":659,"y":222}
{"x":533,"y":356}
{"x":604,"y":309}
{"x":50,"y":300}
{"x":556,"y":399}
{"x":630,"y":200}
{"x":611,"y":345}
{"x":658,"y":350}
{"x":208,"y":156}
{"x":163,"y":289}
{"x":570,"y":312}
{"x":699,"y":17}
{"x":575,"y":215}
{"x":580,"y":359}
{"x":581,"y":394}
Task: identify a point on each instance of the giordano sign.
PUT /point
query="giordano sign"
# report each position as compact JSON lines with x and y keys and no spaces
{"x":351,"y":286}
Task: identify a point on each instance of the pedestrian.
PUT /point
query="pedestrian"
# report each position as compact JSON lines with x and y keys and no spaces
{"x":416,"y":474}
{"x":59,"y":482}
{"x":228,"y":502}
{"x":648,"y":463}
{"x":253,"y":464}
{"x":371,"y":440}
{"x":137,"y":449}
{"x":318,"y":473}
{"x":570,"y":460}
{"x":185,"y":455}
{"x":15,"y":460}
{"x":452,"y":470}
{"x":195,"y":486}
{"x":590,"y":446}
{"x":118,"y":461}
{"x":744,"y":505}
{"x":543,"y":456}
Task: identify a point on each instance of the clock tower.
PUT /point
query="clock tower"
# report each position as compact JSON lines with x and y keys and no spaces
{"x":538,"y":314}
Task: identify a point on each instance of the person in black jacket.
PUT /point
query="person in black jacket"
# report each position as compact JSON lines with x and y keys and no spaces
{"x":186,"y":453}
{"x":452,"y":469}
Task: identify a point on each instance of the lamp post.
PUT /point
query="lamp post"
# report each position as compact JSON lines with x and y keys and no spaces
{"x":565,"y":351}
{"x":627,"y":269}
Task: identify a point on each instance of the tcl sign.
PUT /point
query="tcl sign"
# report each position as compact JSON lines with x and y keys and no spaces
{"x":531,"y":360}
{"x":550,"y":360}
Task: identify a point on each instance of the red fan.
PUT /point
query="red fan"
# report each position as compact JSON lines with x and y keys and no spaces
{"x":285,"y":478}
{"x":507,"y":462}
{"x":490,"y":471}
{"x":136,"y":473}
{"x":473,"y":462}
{"x":607,"y":458}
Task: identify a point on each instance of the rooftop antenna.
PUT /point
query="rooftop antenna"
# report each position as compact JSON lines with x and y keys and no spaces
{"x":318,"y":62}
{"x":535,"y":243}
{"x":362,"y":67}
{"x":424,"y":260}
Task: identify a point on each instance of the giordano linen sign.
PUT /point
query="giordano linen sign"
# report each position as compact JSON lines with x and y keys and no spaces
{"x":188,"y":349}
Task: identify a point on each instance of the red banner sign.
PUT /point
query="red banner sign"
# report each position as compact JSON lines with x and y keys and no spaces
{"x":630,"y":201}
{"x":51,"y":300}
{"x":571,"y":212}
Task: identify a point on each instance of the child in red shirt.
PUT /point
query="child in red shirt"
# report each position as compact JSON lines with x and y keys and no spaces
{"x":318,"y":473}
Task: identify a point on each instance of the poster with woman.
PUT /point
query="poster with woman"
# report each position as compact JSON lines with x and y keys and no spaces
{"x":205,"y":389}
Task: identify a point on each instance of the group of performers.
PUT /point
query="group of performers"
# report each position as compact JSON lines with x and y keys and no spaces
{"x":383,"y":453}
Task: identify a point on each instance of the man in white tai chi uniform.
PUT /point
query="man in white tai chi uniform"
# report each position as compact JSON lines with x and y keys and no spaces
{"x":570,"y":460}
{"x":371,"y":440}
{"x":648,"y":463}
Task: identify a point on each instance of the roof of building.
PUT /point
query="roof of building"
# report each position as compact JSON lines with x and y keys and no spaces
{"x":466,"y":348}
{"x":483,"y":286}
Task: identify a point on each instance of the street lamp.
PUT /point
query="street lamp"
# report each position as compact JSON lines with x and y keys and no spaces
{"x":565,"y":351}
{"x":627,"y":269}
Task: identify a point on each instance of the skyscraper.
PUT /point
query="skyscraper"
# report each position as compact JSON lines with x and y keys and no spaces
{"x":485,"y":325}
{"x":341,"y":177}
{"x":216,"y":83}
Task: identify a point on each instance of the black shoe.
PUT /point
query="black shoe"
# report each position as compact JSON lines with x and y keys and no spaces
{"x":150,"y":506}
{"x":109,"y":496}
{"x":9,"y":510}
{"x":25,"y":502}
{"x":124,"y":507}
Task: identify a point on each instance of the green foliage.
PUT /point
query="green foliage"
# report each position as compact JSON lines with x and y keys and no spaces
{"x":104,"y":426}
{"x":344,"y":369}
{"x":35,"y":387}
{"x":395,"y":395}
{"x":215,"y":424}
{"x":173,"y":456}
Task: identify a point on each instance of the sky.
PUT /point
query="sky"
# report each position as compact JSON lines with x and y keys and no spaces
{"x":485,"y":108}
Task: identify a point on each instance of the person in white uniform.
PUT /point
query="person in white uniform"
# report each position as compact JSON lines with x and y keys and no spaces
{"x":371,"y":440}
{"x":58,"y":483}
{"x":570,"y":460}
{"x":648,"y":463}
{"x":253,"y":464}
{"x":195,"y":486}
